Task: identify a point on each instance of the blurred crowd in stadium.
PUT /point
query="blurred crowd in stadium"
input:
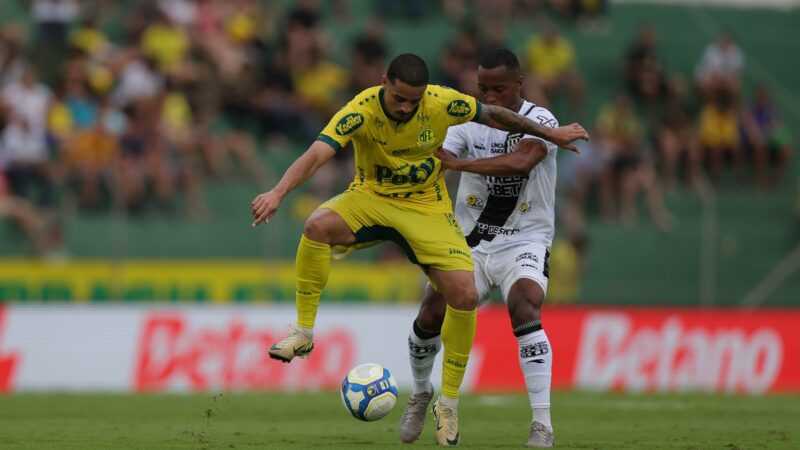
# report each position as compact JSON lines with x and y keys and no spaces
{"x":199,"y":89}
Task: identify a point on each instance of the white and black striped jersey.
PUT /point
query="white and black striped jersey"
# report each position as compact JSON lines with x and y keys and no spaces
{"x":496,"y":212}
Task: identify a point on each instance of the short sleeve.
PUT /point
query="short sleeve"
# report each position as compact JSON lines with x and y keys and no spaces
{"x":544,"y":118}
{"x":456,"y":140}
{"x":343,"y":126}
{"x":459,"y":108}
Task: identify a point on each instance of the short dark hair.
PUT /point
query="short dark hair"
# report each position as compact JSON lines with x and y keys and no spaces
{"x":408,"y":68}
{"x":497,"y":57}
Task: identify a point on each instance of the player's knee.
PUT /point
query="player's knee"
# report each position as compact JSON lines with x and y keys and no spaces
{"x":463,"y":297}
{"x":314,"y":229}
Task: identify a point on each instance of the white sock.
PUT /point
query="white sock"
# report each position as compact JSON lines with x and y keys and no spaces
{"x":536,"y":362}
{"x":421,"y":355}
{"x":448,"y":402}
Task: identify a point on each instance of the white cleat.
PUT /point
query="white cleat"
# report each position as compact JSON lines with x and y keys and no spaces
{"x":413,"y":419}
{"x":447,"y":424}
{"x":541,"y":436}
{"x":299,"y":343}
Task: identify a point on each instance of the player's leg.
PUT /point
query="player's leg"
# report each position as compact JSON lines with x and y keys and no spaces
{"x":525,"y":301}
{"x":458,"y":333}
{"x":524,"y":291}
{"x":424,"y":343}
{"x":323,"y":229}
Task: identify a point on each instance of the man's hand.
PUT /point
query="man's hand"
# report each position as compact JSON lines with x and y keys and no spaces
{"x":563,"y":136}
{"x":264,"y":206}
{"x":449,"y":160}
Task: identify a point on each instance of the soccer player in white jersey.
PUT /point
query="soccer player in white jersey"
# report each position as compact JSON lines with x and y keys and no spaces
{"x":505,"y":207}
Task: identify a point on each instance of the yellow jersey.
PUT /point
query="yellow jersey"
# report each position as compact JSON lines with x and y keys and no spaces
{"x":395,"y":159}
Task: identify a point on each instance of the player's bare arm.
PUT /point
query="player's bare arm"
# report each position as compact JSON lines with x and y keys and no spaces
{"x":265,"y":205}
{"x":521,"y":161}
{"x":507,"y":120}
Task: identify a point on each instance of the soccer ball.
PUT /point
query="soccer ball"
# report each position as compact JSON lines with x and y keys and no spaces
{"x":369,"y":392}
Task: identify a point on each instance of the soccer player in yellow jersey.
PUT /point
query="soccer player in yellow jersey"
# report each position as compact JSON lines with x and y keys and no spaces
{"x":398,"y":194}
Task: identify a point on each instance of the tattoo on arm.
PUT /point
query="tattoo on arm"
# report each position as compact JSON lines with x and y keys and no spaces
{"x":507,"y":120}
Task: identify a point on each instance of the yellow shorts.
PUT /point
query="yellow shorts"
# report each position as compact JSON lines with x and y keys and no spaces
{"x":431,"y":238}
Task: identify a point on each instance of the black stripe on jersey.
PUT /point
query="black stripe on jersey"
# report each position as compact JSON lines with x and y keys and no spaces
{"x":498,"y":209}
{"x":496,"y":213}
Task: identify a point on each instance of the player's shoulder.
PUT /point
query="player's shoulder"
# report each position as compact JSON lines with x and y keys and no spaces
{"x":539,"y":114}
{"x":455,"y":102}
{"x":366,"y":102}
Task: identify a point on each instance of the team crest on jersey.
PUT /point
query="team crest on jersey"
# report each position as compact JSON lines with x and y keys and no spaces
{"x":425,"y":137}
{"x":459,"y":108}
{"x":525,"y":207}
{"x":349,"y":124}
{"x":512,"y":140}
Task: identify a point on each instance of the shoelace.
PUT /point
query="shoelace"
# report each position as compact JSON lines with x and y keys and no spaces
{"x":452,"y":425}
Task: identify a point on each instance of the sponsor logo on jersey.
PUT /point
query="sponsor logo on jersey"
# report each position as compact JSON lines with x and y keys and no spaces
{"x":378,"y":141}
{"x":458,"y":251}
{"x":402,"y":151}
{"x":378,"y":122}
{"x":459,"y":108}
{"x":547,"y":121}
{"x":422,"y":117}
{"x":495,"y":230}
{"x":475,"y":202}
{"x":349,"y":124}
{"x":405,"y":174}
{"x":498,"y":148}
{"x":425,"y":137}
{"x":525,"y":207}
{"x":451,"y":218}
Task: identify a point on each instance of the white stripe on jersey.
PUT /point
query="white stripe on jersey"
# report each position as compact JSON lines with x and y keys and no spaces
{"x":495,"y":212}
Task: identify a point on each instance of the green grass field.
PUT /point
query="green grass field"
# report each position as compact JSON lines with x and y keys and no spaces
{"x":221,"y":421}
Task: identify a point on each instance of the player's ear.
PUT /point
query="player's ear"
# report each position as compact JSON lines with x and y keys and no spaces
{"x":384,"y":80}
{"x":520,"y":82}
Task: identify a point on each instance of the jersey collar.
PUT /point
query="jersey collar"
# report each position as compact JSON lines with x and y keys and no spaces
{"x":386,"y":113}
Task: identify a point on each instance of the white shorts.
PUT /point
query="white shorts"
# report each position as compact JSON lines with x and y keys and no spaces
{"x":503,"y":268}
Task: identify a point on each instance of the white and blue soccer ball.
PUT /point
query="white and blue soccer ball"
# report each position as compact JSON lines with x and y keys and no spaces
{"x":369,"y":392}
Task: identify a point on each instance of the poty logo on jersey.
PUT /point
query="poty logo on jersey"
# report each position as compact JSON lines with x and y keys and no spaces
{"x":349,"y":124}
{"x":416,"y":174}
{"x":458,"y":108}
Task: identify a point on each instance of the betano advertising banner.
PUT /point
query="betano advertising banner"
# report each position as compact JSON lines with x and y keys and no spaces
{"x":139,"y":348}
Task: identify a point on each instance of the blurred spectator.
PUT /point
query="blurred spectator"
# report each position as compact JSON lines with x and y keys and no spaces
{"x":720,"y":67}
{"x":24,"y":150}
{"x":676,"y":138}
{"x":590,"y":14}
{"x":367,"y":57}
{"x":167,"y":44}
{"x":632,"y":166}
{"x":551,"y":60}
{"x":90,"y":157}
{"x":53,"y":19}
{"x":12,"y":64}
{"x":768,"y":139}
{"x":407,"y":9}
{"x":321,"y":83}
{"x":644,"y":69}
{"x":458,"y":63}
{"x":89,"y":38}
{"x":719,"y":127}
{"x":25,"y":215}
